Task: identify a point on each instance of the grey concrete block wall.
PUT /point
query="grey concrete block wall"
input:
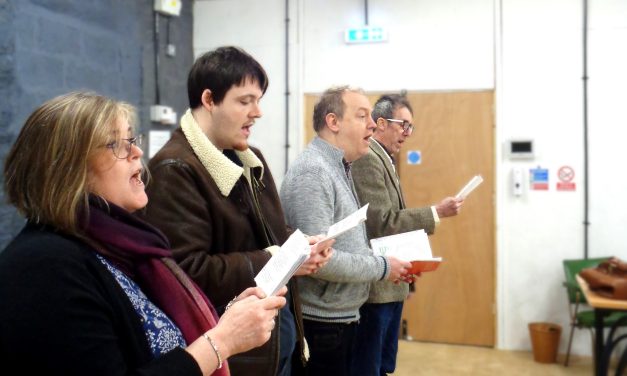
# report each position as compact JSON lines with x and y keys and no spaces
{"x":51,"y":47}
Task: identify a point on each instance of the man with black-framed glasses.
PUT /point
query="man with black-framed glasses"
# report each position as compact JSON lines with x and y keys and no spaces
{"x":405,"y":125}
{"x":377,"y":183}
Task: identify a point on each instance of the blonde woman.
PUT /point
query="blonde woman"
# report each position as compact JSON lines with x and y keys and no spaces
{"x":86,"y":287}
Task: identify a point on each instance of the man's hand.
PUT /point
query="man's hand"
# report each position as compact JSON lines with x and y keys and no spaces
{"x":320,"y":254}
{"x":398,"y":269}
{"x":449,"y":207}
{"x":410,"y":278}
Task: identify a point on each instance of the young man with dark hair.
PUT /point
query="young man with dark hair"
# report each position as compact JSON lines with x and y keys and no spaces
{"x":215,"y":199}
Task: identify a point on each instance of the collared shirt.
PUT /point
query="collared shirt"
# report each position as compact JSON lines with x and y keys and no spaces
{"x":387,"y":152}
{"x":347,"y":168}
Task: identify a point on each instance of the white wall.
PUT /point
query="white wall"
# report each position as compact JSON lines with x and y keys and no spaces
{"x":540,"y":96}
{"x":259,"y":28}
{"x":433,"y":45}
{"x":529,"y":51}
{"x":608,"y":114}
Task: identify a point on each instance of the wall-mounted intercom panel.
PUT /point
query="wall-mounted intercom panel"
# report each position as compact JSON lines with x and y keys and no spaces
{"x":519,"y":149}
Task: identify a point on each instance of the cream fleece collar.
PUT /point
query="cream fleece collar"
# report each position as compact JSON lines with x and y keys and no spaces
{"x":221,"y":169}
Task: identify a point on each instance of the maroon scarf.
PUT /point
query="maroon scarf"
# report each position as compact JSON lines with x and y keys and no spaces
{"x":143,"y":253}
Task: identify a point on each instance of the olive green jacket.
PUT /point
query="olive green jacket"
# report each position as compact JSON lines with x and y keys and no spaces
{"x":377,"y":183}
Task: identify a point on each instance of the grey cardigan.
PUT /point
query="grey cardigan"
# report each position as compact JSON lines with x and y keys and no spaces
{"x":315,"y":194}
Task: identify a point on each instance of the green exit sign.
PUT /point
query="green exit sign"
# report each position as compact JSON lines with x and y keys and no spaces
{"x":366,"y":34}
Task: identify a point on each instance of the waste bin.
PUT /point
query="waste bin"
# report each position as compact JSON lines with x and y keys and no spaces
{"x":545,"y":340}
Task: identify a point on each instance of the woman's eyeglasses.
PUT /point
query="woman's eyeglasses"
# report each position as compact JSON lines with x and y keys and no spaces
{"x":122,"y":149}
{"x":407,"y":126}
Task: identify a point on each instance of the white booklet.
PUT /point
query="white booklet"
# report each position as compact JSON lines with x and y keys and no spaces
{"x":470,"y":186}
{"x":412,"y":246}
{"x":346,"y":224}
{"x":295,"y":251}
{"x":284,"y":263}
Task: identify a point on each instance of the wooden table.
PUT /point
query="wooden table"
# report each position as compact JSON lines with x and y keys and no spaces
{"x":603,"y":347}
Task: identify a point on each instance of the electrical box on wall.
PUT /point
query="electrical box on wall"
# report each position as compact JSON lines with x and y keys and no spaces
{"x":519,"y":149}
{"x":168,"y":7}
{"x":162,"y":114}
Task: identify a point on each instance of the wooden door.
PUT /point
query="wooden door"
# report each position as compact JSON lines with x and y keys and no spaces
{"x":455,"y":136}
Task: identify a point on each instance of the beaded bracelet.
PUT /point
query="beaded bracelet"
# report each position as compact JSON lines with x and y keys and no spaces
{"x":215,"y":349}
{"x":229,"y":304}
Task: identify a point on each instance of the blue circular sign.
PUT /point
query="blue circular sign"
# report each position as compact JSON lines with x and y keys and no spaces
{"x":414,"y":157}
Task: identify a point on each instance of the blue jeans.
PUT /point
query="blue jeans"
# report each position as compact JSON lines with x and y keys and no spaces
{"x":285,"y":368}
{"x":330,"y":346}
{"x":287,"y":338}
{"x":376,"y":341}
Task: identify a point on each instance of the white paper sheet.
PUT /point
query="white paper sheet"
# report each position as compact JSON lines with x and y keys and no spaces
{"x":406,"y":246}
{"x":346,"y":224}
{"x":470,"y":186}
{"x":284,"y":263}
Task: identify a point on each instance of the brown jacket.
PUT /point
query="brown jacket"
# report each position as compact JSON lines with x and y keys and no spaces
{"x":219,"y":236}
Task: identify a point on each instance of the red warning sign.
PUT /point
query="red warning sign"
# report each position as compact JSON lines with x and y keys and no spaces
{"x":565,"y":174}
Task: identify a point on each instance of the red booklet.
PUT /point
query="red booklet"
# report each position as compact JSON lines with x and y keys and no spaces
{"x":412,"y":246}
{"x":424,"y":266}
